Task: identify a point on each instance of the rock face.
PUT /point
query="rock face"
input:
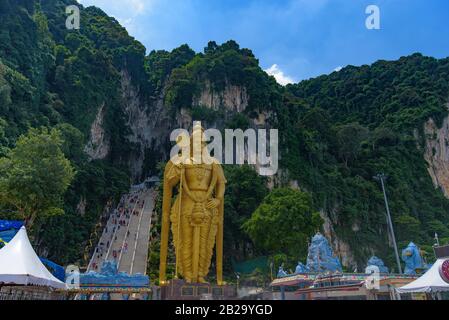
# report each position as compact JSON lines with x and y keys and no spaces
{"x":437,"y":153}
{"x":98,"y":146}
{"x":81,"y":207}
{"x":138,"y":120}
{"x":232,"y":98}
{"x":151,"y":122}
{"x":341,"y":248}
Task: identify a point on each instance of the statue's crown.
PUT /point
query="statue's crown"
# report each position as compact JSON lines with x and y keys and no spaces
{"x":197,"y":127}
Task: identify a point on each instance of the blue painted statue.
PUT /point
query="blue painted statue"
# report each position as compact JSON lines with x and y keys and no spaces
{"x":413,"y":260}
{"x":110,"y":276}
{"x":377,"y":262}
{"x":321,"y":257}
{"x":281,"y":272}
{"x":301,"y":268}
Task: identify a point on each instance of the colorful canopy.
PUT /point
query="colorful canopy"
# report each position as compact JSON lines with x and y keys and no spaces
{"x":431,"y":281}
{"x":20,"y":265}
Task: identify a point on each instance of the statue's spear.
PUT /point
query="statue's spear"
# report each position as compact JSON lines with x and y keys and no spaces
{"x":178,"y":244}
{"x":196,"y":246}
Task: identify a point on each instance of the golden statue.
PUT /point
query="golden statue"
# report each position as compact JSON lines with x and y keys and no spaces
{"x":196,"y":216}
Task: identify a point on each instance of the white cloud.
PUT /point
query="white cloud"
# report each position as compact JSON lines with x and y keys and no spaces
{"x":337,"y":69}
{"x":128,"y":24}
{"x":279,"y":75}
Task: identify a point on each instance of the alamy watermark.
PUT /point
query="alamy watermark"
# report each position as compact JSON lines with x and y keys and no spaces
{"x":73,"y":20}
{"x":372,"y":22}
{"x":372,"y":281}
{"x":72,"y":279}
{"x":240,"y":147}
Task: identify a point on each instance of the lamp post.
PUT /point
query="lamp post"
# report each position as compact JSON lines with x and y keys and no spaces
{"x":382,"y":177}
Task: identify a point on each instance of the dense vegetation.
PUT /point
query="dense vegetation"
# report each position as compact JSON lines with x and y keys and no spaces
{"x":25,"y":185}
{"x":284,"y":224}
{"x":362,"y":121}
{"x":340,"y":130}
{"x":337,"y":131}
{"x":52,"y":77}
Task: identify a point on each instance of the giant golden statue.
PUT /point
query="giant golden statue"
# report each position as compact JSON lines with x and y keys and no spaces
{"x":196,"y":216}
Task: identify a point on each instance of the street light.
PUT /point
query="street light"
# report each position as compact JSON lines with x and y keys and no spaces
{"x":382,"y":177}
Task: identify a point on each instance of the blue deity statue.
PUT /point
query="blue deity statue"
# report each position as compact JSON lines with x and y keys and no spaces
{"x":321,"y":257}
{"x":111,"y":277}
{"x":301,"y":268}
{"x":281,"y":272}
{"x":377,"y":262}
{"x":413,"y":260}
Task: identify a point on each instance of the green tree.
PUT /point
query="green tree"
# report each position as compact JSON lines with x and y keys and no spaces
{"x":73,"y":142}
{"x":3,"y":139}
{"x":245,"y":190}
{"x":35,"y":175}
{"x":284,"y":222}
{"x":436,"y":226}
{"x":350,"y":138}
{"x":407,"y":226}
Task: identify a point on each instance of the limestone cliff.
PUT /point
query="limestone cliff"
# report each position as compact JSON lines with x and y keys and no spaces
{"x":340,"y":247}
{"x":98,"y":145}
{"x":232,"y":98}
{"x":437,"y":153}
{"x":151,"y":121}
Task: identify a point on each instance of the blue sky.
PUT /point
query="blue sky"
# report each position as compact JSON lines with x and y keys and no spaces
{"x":293,"y":39}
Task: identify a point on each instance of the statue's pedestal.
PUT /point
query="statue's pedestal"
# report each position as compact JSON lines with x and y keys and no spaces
{"x":180,"y":290}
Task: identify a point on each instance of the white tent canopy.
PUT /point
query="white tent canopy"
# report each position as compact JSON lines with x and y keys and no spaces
{"x":20,"y":265}
{"x":430,"y":282}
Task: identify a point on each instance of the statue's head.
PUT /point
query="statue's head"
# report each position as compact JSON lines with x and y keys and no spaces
{"x":197,"y":135}
{"x":411,"y":250}
{"x":412,"y":258}
{"x":189,"y":146}
{"x":198,"y":144}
